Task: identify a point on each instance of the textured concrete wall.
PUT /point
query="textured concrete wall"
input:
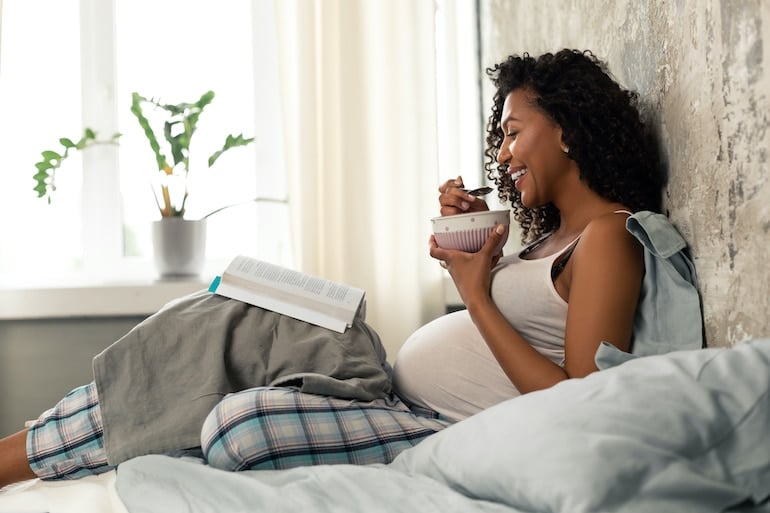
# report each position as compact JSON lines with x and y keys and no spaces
{"x":702,"y":68}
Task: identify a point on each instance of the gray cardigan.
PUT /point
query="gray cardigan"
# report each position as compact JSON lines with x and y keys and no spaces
{"x":158,"y":383}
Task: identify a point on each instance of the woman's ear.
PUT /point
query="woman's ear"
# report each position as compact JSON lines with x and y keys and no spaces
{"x":562,"y":144}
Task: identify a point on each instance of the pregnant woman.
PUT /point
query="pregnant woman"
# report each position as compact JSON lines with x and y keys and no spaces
{"x":602,"y":277}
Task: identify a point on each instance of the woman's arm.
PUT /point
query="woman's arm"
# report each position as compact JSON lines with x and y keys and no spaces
{"x":604,"y":278}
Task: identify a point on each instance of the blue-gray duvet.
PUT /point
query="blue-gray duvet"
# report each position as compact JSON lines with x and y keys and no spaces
{"x":683,"y":432}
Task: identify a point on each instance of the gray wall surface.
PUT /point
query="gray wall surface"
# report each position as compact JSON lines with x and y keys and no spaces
{"x":42,"y":360}
{"x":702,"y":69}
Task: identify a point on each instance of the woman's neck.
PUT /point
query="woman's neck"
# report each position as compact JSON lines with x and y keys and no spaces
{"x":581,"y":207}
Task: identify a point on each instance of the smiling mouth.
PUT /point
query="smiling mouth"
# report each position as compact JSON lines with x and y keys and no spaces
{"x":518,"y":174}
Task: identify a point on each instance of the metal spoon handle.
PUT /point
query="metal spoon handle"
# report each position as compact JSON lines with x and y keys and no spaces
{"x":481,"y":191}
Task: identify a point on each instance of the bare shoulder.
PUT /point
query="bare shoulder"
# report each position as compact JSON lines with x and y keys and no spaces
{"x":607,"y":237}
{"x":608,"y":227}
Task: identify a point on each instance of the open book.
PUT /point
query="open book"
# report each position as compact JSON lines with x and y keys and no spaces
{"x":293,"y":293}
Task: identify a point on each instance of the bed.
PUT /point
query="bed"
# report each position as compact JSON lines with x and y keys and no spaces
{"x":683,"y":432}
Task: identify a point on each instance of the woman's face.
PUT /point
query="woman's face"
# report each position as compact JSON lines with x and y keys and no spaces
{"x":532,"y":149}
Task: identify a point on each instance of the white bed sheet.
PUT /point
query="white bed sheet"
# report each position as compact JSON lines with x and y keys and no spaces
{"x":93,"y":494}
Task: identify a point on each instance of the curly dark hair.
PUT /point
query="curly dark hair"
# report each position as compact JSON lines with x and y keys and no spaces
{"x":601,"y":125}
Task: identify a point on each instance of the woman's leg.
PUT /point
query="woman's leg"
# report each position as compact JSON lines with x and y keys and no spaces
{"x":14,"y":466}
{"x":279,"y":428}
{"x":65,"y":442}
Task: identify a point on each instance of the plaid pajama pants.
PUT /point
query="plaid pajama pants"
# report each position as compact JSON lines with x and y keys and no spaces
{"x":280,"y":428}
{"x":66,"y":441}
{"x":259,"y":428}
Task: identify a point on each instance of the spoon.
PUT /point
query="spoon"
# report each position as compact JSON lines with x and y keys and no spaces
{"x":481,"y":191}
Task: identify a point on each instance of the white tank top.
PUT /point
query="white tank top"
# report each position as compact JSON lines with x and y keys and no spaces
{"x":446,"y":365}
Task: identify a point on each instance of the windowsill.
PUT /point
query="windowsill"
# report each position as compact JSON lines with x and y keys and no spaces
{"x":136,"y":298}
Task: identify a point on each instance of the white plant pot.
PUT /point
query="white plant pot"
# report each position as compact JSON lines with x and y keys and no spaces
{"x":179,"y":246}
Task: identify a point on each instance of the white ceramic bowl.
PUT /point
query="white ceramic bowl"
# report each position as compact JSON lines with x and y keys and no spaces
{"x":468,"y":232}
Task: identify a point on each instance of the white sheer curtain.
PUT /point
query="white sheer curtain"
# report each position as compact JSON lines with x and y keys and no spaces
{"x":1,"y":26}
{"x":358,"y":91}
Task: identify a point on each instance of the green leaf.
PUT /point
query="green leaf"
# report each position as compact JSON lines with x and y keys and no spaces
{"x":51,"y":155}
{"x":52,"y":160}
{"x":144,"y":123}
{"x":230,"y":142}
{"x":40,"y":176}
{"x":179,"y":143}
{"x":41,"y":190}
{"x":204,"y":100}
{"x":42,"y":183}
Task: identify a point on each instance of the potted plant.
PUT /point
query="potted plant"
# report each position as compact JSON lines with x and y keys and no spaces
{"x":178,"y":243}
{"x":178,"y":129}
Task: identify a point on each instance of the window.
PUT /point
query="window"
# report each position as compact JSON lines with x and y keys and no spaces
{"x":77,"y":69}
{"x":460,"y":123}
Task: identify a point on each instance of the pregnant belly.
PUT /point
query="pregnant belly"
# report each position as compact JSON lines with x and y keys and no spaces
{"x":447,"y":367}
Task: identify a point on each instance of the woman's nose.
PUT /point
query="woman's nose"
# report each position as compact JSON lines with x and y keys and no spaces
{"x":503,"y":154}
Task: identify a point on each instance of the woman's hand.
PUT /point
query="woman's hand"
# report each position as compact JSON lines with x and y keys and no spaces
{"x":471,"y":272}
{"x":454,"y":200}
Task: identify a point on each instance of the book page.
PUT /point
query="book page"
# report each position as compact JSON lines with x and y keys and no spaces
{"x":285,"y":307}
{"x":293,"y":293}
{"x":341,"y":297}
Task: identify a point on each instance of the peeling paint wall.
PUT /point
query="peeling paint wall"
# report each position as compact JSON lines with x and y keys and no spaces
{"x":702,"y":69}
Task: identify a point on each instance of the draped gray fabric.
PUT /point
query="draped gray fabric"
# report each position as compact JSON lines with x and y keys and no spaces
{"x":157,"y":383}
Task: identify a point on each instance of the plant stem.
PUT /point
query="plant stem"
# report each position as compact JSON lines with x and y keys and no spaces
{"x":166,"y":210}
{"x":255,"y":200}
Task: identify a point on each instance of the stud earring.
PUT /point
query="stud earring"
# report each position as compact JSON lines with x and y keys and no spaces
{"x":565,"y":149}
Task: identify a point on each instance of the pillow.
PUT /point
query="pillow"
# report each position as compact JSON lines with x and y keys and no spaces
{"x":685,"y":431}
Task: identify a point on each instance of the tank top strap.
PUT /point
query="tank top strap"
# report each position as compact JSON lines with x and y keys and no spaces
{"x":571,"y":246}
{"x":564,"y":255}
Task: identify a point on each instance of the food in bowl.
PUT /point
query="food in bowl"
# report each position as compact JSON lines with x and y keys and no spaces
{"x":468,"y":232}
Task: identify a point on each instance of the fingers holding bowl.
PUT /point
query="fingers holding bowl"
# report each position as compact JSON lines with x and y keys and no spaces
{"x":469,"y":231}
